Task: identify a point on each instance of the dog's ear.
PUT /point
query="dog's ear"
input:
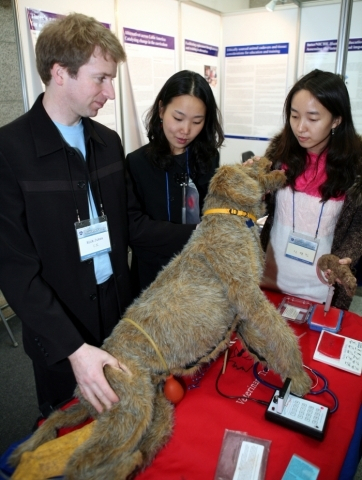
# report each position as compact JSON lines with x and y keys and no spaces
{"x":233,"y":182}
{"x":273,"y":180}
{"x":269,"y":181}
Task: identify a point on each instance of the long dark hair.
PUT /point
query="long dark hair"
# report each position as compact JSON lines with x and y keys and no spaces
{"x":204,"y":147}
{"x":344,"y":150}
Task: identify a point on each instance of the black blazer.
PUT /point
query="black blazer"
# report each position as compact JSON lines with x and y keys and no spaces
{"x":160,"y":197}
{"x":43,"y":182}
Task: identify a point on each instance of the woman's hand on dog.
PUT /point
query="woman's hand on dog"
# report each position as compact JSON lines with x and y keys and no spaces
{"x":250,"y":160}
{"x":87,"y":364}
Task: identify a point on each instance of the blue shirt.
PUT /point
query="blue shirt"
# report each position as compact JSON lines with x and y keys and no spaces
{"x":74,"y":136}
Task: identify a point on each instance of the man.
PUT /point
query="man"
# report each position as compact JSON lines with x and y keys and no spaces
{"x":68,"y":214}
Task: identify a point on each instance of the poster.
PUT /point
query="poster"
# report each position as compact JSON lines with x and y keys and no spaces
{"x":321,"y":54}
{"x":203,"y":59}
{"x":254,"y":90}
{"x":151,"y":61}
{"x":36,"y":20}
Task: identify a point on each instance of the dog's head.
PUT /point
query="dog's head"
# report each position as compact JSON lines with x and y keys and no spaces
{"x":243,"y":186}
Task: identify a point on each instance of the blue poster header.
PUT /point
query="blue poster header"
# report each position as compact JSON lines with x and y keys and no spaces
{"x":245,"y":137}
{"x":202,"y":48}
{"x":37,"y":19}
{"x":263,"y":49}
{"x":330,"y":46}
{"x":148,"y":39}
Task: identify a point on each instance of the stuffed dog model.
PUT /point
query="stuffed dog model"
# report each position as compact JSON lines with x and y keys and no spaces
{"x":198,"y":301}
{"x":340,"y":273}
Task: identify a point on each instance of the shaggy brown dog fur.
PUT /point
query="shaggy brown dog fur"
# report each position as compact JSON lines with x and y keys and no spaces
{"x":341,"y":272}
{"x":191,"y":310}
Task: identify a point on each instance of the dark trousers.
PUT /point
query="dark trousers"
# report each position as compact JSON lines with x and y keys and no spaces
{"x":55,"y":384}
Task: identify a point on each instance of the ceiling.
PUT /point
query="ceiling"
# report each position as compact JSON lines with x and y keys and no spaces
{"x":229,"y":6}
{"x":224,"y":6}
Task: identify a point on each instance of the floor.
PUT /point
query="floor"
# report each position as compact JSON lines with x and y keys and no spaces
{"x":18,"y":404}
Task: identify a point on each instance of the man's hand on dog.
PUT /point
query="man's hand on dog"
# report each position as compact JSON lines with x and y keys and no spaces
{"x":87,"y":364}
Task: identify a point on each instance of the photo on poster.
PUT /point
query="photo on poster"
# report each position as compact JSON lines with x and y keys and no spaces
{"x":210,"y":74}
{"x":203,"y":59}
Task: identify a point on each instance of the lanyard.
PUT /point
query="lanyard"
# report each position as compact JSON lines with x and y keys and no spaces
{"x":319,"y":219}
{"x":183,"y":185}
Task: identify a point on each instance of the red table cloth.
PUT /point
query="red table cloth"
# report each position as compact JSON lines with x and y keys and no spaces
{"x":203,"y":415}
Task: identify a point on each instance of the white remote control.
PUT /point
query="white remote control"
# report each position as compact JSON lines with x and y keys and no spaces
{"x":298,"y":414}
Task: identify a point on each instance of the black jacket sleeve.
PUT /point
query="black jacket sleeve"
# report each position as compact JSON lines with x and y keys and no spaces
{"x":32,"y":299}
{"x":157,"y":236}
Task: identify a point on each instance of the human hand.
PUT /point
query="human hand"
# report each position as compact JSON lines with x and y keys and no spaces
{"x":251,"y":160}
{"x":345,"y":261}
{"x":87,"y":364}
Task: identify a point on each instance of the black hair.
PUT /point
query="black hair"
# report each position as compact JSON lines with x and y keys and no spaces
{"x":344,"y":150}
{"x":204,"y":147}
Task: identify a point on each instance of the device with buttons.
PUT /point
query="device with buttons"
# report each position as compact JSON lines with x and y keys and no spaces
{"x":297,"y":413}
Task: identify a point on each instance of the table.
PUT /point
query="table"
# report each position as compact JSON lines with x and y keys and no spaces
{"x":203,"y":415}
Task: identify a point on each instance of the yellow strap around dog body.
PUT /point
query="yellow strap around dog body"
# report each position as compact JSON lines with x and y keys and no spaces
{"x":150,"y":340}
{"x":231,"y":211}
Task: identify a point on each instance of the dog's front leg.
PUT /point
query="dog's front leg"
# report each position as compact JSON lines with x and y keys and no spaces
{"x":266,"y":331}
{"x":263,"y":328}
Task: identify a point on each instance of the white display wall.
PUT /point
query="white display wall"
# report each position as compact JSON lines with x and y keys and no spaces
{"x":148,"y":65}
{"x":257,"y":95}
{"x":103,"y":11}
{"x":258,"y":27}
{"x":325,"y":34}
{"x":253,"y":57}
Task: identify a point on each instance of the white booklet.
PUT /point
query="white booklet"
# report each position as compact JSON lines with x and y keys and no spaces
{"x":339,"y":351}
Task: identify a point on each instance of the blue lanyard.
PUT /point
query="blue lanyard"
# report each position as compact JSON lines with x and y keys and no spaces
{"x":168,"y":198}
{"x":319,"y":219}
{"x":168,"y":188}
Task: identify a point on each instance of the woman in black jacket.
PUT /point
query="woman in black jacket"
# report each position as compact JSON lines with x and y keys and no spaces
{"x":171,"y":173}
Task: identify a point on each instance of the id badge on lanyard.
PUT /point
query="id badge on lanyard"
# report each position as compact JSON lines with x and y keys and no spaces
{"x":93,"y":237}
{"x":302,"y":248}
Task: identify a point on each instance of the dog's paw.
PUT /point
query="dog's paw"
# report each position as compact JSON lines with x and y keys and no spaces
{"x":15,"y":457}
{"x":340,"y":273}
{"x":42,"y":435}
{"x":301,"y":384}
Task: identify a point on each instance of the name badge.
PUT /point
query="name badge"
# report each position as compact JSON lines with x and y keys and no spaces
{"x":93,"y":237}
{"x":302,"y":248}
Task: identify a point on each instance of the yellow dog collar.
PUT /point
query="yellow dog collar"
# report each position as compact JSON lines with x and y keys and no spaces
{"x":231,"y":211}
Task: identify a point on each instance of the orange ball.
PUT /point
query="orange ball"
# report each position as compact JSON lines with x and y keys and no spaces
{"x":173,"y":389}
